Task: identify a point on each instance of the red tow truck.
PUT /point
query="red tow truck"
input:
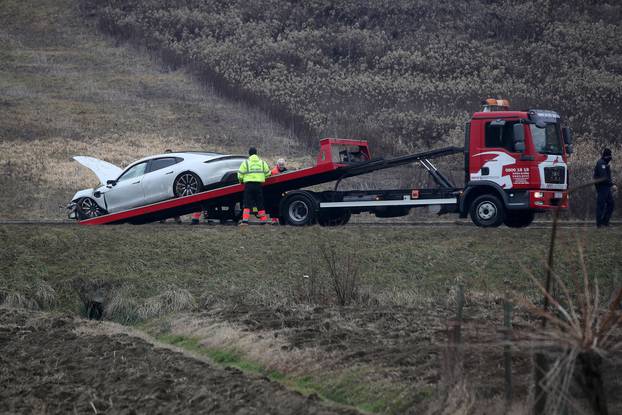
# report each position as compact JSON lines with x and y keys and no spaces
{"x":515,"y":165}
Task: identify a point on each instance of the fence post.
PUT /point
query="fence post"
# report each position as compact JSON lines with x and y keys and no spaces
{"x":507,"y":349}
{"x":459,"y":313}
{"x":454,"y":339}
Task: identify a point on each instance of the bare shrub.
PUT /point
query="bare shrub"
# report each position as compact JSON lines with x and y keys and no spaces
{"x":343,"y":275}
{"x":582,"y":334}
{"x":577,"y":331}
{"x":312,"y":288}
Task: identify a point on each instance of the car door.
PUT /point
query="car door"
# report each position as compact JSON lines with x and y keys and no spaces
{"x":127,"y":192}
{"x":158,"y":180}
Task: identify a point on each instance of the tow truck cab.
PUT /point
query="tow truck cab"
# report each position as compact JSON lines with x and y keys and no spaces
{"x":520,"y":157}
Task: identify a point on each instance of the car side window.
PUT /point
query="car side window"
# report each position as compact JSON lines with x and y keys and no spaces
{"x":500,"y":136}
{"x":134,"y":171}
{"x":157,"y":164}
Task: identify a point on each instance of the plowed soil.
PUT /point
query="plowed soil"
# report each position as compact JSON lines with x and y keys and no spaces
{"x":412,"y":342}
{"x":420,"y":345}
{"x":49,"y":365}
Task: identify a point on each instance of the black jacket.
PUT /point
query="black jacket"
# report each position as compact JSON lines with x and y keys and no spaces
{"x":602,"y":173}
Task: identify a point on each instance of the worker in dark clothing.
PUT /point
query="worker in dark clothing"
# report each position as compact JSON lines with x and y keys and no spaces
{"x":253,"y":172}
{"x":604,"y":187}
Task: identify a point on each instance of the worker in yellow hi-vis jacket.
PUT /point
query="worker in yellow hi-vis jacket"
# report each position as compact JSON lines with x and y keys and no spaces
{"x":253,"y":172}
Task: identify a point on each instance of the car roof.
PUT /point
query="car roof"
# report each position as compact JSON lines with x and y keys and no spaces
{"x":202,"y":155}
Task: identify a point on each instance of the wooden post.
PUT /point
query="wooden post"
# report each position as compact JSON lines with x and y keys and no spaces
{"x":507,"y":350}
{"x":459,"y":313}
{"x":454,"y":339}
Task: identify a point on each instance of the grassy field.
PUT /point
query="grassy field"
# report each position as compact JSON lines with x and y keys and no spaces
{"x":66,"y":90}
{"x":266,"y":266}
{"x":358,"y":315}
{"x":264,"y":299}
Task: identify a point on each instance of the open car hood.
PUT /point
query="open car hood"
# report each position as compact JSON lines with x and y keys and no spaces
{"x":102,"y":169}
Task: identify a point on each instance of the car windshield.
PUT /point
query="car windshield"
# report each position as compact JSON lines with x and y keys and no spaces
{"x":134,"y":171}
{"x":546,"y":140}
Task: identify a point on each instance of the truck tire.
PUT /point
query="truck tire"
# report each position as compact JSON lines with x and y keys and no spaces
{"x":487,"y":211}
{"x":300,"y":209}
{"x":519,"y":218}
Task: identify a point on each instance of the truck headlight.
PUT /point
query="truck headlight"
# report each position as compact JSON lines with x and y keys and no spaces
{"x":538,"y":195}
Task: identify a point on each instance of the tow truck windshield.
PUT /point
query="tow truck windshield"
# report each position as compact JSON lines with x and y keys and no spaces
{"x":546,"y":140}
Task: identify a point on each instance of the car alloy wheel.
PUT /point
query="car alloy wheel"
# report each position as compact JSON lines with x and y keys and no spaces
{"x":187,"y":184}
{"x":89,"y":208}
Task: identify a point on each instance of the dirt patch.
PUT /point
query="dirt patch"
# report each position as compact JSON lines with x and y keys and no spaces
{"x":414,"y":346}
{"x":49,"y":365}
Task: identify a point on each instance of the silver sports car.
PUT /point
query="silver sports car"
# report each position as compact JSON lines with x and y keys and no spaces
{"x":151,"y":179}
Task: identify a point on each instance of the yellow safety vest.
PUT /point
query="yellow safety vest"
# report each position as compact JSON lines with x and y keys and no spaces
{"x":253,"y":169}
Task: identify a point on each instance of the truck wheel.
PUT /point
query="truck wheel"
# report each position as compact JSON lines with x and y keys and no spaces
{"x":487,"y":211}
{"x":519,"y":218}
{"x":338,"y":218}
{"x":299,"y":210}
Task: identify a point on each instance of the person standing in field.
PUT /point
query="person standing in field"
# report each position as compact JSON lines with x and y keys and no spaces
{"x":604,"y":189}
{"x":253,"y":172}
{"x":279,"y":168}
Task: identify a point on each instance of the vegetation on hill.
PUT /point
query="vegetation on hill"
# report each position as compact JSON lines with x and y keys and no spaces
{"x":67,"y":90}
{"x":404,"y":73}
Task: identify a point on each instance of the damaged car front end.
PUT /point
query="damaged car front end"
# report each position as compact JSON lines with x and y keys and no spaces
{"x":86,"y":204}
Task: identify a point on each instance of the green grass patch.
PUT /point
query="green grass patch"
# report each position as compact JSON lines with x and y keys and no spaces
{"x":230,"y":358}
{"x":345,"y":387}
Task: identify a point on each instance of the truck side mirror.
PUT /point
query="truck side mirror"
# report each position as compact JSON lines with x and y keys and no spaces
{"x":519,"y":137}
{"x":111,"y":182}
{"x":567,"y":134}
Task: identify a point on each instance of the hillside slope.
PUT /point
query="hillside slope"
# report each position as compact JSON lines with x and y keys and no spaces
{"x":67,"y":90}
{"x":403,"y":73}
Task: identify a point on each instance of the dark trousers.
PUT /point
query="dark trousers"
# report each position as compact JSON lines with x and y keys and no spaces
{"x":253,"y":196}
{"x":604,"y":206}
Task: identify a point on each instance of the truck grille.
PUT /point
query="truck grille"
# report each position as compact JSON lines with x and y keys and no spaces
{"x":554,"y":175}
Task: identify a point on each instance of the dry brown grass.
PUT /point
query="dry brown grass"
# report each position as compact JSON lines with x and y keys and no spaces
{"x":121,"y":307}
{"x":15,"y":299}
{"x":66,"y":91}
{"x":172,"y":300}
{"x":264,"y":348}
{"x":35,"y":295}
